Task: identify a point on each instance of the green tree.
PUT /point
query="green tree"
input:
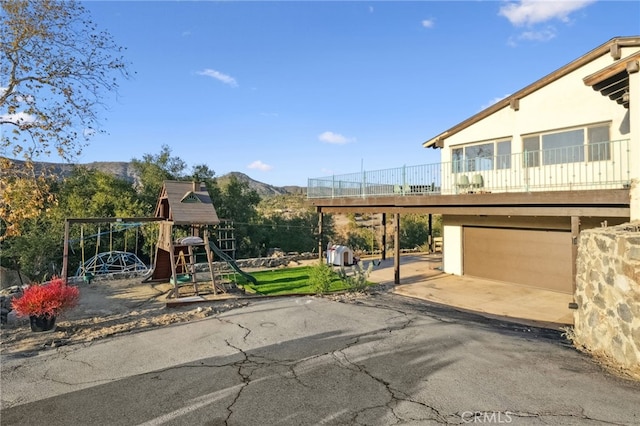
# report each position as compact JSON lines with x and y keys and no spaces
{"x":33,"y":250}
{"x":37,"y":251}
{"x":25,"y":195}
{"x":297,"y":233}
{"x":93,"y":193}
{"x":414,"y":229}
{"x":56,"y":68}
{"x":153,"y":170}
{"x":237,"y":202}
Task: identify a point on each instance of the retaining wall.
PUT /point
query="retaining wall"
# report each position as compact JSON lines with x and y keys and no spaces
{"x":607,"y":321}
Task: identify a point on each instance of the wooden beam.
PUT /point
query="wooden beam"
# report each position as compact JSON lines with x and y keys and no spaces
{"x":65,"y":252}
{"x":384,"y":237}
{"x":592,"y":197}
{"x":320,"y":245}
{"x":72,"y":220}
{"x":430,"y":238}
{"x":605,"y":211}
{"x":610,"y":71}
{"x":396,"y":250}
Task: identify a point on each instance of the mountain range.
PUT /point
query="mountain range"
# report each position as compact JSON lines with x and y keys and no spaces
{"x":125,"y":170}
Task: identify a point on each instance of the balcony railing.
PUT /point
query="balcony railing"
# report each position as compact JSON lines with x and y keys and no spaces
{"x":600,"y":165}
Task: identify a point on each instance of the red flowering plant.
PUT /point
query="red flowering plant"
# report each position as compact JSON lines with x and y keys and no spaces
{"x":46,"y":300}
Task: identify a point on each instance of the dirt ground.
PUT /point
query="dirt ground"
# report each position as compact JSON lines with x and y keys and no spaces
{"x":108,"y":308}
{"x":111,"y":307}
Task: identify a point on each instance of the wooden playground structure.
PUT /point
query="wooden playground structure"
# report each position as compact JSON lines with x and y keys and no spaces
{"x":183,"y":208}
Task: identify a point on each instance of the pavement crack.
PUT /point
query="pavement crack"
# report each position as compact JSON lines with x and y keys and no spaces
{"x":247,"y":331}
{"x":395,"y":396}
{"x":245,"y":377}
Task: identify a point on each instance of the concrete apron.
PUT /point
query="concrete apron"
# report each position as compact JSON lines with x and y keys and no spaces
{"x":420,"y":277}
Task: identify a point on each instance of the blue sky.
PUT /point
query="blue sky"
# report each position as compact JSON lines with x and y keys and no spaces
{"x":285,"y":91}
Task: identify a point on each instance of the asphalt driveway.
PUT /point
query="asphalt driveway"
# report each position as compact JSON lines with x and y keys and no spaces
{"x":380,"y":360}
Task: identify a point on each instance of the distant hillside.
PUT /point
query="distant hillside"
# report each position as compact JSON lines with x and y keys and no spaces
{"x":124,"y":170}
{"x":120,"y":169}
{"x":265,"y":190}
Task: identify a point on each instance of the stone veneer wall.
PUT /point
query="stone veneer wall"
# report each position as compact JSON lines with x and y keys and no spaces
{"x":607,"y":321}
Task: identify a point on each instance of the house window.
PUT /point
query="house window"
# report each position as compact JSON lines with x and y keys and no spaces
{"x":531,"y":148}
{"x":567,"y":146}
{"x":456,"y":160}
{"x":598,"y":142}
{"x":503,"y":159}
{"x":473,"y":158}
{"x":479,"y":157}
{"x":190,"y":198}
{"x":563,"y":147}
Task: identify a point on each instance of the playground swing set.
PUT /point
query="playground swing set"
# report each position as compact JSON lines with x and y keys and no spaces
{"x":181,"y":204}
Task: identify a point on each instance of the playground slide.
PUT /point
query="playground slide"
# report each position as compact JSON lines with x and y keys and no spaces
{"x":231,"y":262}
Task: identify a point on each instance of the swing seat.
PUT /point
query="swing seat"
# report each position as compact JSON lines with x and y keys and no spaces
{"x":181,"y":278}
{"x":88,"y":277}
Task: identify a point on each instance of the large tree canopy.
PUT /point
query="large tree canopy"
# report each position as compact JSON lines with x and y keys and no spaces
{"x":56,"y":67}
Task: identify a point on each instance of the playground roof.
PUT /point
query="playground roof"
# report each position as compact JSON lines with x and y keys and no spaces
{"x":186,"y":203}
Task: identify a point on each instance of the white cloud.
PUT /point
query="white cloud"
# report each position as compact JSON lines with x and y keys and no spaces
{"x":530,"y":12}
{"x":541,"y":35}
{"x":428,"y":23}
{"x":219,"y":76}
{"x":17,"y":118}
{"x":259,"y":165}
{"x":334,"y":138}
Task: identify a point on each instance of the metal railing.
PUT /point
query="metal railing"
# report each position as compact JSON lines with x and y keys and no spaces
{"x":600,"y":165}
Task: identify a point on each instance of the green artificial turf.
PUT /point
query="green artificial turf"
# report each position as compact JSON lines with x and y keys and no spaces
{"x":286,"y":281}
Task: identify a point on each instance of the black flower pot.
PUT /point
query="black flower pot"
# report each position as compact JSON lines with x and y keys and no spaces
{"x":43,"y":323}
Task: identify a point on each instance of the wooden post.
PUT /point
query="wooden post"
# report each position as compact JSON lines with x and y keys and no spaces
{"x":207,"y":249}
{"x":320,"y":245}
{"x":65,"y":252}
{"x":384,"y":237}
{"x":430,"y":237}
{"x":396,"y":249}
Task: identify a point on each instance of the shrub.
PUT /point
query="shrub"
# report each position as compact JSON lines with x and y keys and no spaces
{"x":358,"y":279}
{"x":320,"y":278}
{"x":46,"y":300}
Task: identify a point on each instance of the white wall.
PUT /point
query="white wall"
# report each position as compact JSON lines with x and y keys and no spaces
{"x":634,"y":122}
{"x":452,"y":249}
{"x":566,"y":102}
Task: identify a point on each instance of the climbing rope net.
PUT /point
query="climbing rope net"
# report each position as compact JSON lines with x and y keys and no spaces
{"x":111,"y":262}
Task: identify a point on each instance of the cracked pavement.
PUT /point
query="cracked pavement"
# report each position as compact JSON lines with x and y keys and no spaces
{"x":379,"y":360}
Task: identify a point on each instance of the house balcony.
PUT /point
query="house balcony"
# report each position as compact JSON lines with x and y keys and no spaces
{"x":598,"y":166}
{"x":594,"y":174}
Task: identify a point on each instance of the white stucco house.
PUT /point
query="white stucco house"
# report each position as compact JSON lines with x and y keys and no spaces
{"x":518,"y":181}
{"x":576,"y":129}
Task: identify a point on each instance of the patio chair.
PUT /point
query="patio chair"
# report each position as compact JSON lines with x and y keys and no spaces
{"x":463,"y":183}
{"x":477,"y":182}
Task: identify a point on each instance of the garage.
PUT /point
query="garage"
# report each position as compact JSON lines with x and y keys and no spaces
{"x":537,"y":258}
